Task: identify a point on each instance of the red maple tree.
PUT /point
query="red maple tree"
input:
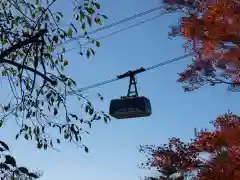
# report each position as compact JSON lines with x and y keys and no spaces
{"x":211,"y":29}
{"x":212,"y":155}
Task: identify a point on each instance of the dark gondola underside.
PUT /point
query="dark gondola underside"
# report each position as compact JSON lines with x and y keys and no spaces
{"x":131,"y":107}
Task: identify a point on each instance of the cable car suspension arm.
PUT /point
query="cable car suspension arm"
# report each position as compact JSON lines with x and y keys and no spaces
{"x":132,"y":88}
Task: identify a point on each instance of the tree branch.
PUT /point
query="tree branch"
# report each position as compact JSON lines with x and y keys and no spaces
{"x":29,"y":69}
{"x":23,"y":43}
{"x":217,"y":80}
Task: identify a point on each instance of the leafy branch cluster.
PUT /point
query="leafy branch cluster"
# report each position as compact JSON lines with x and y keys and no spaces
{"x":32,"y":50}
{"x":9,"y":169}
{"x":211,"y":154}
{"x":211,"y":32}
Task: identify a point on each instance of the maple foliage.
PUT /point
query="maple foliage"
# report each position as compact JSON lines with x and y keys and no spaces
{"x":211,"y":155}
{"x":211,"y":30}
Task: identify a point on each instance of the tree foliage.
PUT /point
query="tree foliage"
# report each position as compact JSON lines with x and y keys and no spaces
{"x":211,"y":155}
{"x":33,"y":39}
{"x":211,"y":30}
{"x":33,"y":42}
{"x":9,"y":170}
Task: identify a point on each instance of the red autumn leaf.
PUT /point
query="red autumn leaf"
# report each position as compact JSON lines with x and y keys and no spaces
{"x":212,"y":30}
{"x":222,"y":145}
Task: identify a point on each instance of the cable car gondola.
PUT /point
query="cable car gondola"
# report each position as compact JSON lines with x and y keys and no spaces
{"x":130,"y":106}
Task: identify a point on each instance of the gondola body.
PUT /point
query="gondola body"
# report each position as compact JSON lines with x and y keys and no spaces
{"x":131,"y":107}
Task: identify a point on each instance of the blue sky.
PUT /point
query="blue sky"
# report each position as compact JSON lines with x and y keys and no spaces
{"x":114,"y":146}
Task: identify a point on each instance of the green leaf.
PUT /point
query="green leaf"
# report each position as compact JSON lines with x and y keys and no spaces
{"x":37,"y":130}
{"x":51,"y":143}
{"x":91,"y":111}
{"x":10,"y":160}
{"x":104,"y":16}
{"x":88,"y":53}
{"x":93,"y":52}
{"x":17,"y":136}
{"x":69,"y":83}
{"x":40,"y":9}
{"x":4,"y":166}
{"x":55,"y":39}
{"x":97,"y":43}
{"x":37,"y":2}
{"x":74,"y":116}
{"x":23,"y":170}
{"x":86,"y":108}
{"x":97,"y":5}
{"x":35,"y":176}
{"x":86,"y":149}
{"x":60,"y":14}
{"x":74,"y":83}
{"x":30,"y":132}
{"x":100,"y":96}
{"x":46,"y":17}
{"x":45,"y":146}
{"x":55,"y":111}
{"x":68,"y":119}
{"x":63,"y":51}
{"x":70,"y":31}
{"x":39,"y":145}
{"x":27,"y":84}
{"x":83,"y":26}
{"x":12,"y":177}
{"x":1,"y":123}
{"x":90,"y":10}
{"x":25,"y":127}
{"x":3,"y":144}
{"x":26,"y":136}
{"x":4,"y":41}
{"x":98,"y":21}
{"x":82,"y":16}
{"x":89,"y":20}
{"x":105,"y":119}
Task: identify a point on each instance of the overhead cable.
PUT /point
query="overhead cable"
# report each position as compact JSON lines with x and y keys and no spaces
{"x":116,"y":23}
{"x":129,"y":27}
{"x":140,"y":70}
{"x":123,"y":29}
{"x":119,"y":31}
